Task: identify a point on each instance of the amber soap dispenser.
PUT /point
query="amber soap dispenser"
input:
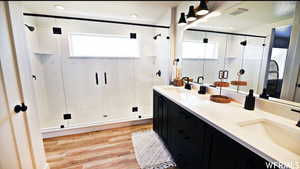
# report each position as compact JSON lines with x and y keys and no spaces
{"x":250,"y":101}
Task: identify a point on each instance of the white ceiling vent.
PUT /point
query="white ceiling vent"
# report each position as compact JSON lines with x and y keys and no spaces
{"x":238,"y":11}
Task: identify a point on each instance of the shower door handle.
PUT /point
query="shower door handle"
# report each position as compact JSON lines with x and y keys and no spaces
{"x":96,"y":77}
{"x":105,"y":78}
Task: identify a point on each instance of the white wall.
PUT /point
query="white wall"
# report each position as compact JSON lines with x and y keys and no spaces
{"x":130,"y":80}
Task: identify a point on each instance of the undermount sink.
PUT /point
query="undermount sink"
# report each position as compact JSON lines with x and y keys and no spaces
{"x":285,"y":136}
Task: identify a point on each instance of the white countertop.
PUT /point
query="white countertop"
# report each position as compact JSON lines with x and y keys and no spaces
{"x":228,"y":118}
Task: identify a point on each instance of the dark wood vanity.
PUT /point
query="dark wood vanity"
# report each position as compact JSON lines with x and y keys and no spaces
{"x":195,"y":144}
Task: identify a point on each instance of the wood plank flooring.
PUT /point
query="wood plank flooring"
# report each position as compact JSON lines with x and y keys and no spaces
{"x":107,"y":149}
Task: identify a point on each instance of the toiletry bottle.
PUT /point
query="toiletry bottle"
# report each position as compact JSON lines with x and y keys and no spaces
{"x":202,"y":90}
{"x":250,"y":101}
{"x":264,"y":94}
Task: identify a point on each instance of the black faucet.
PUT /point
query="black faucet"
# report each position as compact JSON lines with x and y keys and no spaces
{"x":200,"y":77}
{"x":187,"y":84}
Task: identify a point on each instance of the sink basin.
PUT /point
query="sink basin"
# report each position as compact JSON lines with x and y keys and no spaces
{"x":285,"y":136}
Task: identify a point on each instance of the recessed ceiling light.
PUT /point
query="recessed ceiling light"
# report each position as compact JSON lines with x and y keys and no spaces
{"x":59,"y":7}
{"x":134,"y":15}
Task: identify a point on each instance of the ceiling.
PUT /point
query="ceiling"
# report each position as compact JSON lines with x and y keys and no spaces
{"x":150,"y":12}
{"x":259,"y":13}
{"x":147,"y":11}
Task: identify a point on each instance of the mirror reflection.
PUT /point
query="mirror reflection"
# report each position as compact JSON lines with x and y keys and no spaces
{"x":255,"y":52}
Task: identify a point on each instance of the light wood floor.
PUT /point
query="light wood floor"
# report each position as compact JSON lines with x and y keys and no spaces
{"x":107,"y":149}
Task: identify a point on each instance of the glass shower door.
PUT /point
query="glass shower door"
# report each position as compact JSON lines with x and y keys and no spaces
{"x":84,"y":86}
{"x":46,"y":72}
{"x":119,"y":89}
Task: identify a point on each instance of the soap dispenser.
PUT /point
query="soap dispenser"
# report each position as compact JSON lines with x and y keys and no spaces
{"x":202,"y":90}
{"x":250,"y":101}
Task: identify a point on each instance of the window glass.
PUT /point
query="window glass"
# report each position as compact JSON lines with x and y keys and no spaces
{"x":95,"y":45}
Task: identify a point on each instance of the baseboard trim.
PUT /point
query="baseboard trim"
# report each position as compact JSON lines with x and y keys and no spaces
{"x":57,"y":133}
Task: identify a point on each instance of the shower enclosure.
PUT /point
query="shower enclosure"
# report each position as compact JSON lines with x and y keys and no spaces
{"x":78,"y":91}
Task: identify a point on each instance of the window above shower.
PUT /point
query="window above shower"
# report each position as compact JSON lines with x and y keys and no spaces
{"x":99,"y":45}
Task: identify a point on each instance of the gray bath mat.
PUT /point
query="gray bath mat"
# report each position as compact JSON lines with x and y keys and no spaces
{"x":150,"y":152}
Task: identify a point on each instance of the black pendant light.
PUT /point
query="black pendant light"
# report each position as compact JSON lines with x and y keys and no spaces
{"x":191,"y":16}
{"x":202,"y":9}
{"x":182,"y":20}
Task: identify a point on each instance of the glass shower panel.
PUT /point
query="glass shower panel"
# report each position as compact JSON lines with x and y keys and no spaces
{"x":145,"y":69}
{"x":162,"y":59}
{"x":99,"y":90}
{"x":46,"y":71}
{"x":95,"y":90}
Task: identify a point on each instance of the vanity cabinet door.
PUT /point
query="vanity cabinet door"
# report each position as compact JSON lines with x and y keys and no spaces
{"x":221,"y":151}
{"x":160,"y":116}
{"x":164,"y":118}
{"x":172,"y":126}
{"x":186,"y":135}
{"x":155,"y":112}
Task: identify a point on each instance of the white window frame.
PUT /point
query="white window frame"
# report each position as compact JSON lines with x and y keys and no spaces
{"x":70,"y":45}
{"x":201,"y":58}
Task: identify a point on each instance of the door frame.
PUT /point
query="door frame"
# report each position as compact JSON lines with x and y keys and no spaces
{"x":14,"y":51}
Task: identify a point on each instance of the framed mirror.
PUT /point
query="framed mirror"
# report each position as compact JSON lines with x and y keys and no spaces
{"x":262,"y":46}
